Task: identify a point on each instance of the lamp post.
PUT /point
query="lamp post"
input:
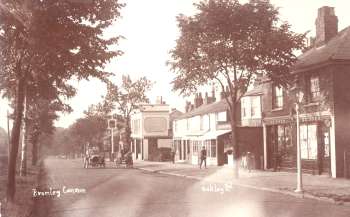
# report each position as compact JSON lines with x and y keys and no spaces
{"x":299,"y":189}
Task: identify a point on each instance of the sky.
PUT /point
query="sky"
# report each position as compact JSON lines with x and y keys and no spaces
{"x":150,"y":30}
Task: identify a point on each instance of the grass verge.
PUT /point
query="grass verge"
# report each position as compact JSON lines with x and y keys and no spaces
{"x":23,"y":203}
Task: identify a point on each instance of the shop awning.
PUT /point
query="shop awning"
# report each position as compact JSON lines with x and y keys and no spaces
{"x":214,"y":134}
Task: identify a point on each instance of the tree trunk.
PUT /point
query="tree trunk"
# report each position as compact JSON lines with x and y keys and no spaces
{"x":128,"y":133}
{"x":15,"y":134}
{"x":35,"y":153}
{"x":23,"y":168}
{"x":234,"y":141}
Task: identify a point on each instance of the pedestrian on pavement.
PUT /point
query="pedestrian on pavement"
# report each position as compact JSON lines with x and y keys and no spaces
{"x":250,"y":161}
{"x":172,"y":155}
{"x":203,"y":157}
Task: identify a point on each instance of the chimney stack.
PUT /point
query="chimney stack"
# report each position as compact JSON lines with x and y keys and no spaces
{"x":188,"y":106}
{"x":199,"y":101}
{"x":213,"y":99}
{"x":206,"y":99}
{"x":326,"y":25}
{"x":159,"y":100}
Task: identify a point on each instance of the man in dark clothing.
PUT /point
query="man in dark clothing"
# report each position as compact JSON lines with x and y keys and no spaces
{"x":203,"y":157}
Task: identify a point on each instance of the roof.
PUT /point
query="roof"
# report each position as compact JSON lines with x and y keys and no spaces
{"x":174,"y":114}
{"x":218,"y":106}
{"x":154,"y":108}
{"x":256,"y":91}
{"x":337,"y":49}
{"x":206,"y":109}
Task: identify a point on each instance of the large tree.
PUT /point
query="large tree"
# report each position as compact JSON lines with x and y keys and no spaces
{"x":51,"y":41}
{"x":41,"y":117}
{"x":233,"y":44}
{"x":128,"y":97}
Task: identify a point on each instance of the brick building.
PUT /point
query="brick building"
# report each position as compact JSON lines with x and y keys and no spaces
{"x":322,"y":74}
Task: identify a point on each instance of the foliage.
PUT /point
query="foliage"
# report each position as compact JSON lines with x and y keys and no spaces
{"x":127,"y":98}
{"x":46,"y":43}
{"x":233,"y":44}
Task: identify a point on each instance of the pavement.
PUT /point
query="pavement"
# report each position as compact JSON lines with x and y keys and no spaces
{"x":319,"y":187}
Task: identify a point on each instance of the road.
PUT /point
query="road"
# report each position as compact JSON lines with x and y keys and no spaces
{"x":114,"y":192}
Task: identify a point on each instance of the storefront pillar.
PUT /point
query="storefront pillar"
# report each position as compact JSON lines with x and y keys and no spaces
{"x":265,"y":146}
{"x":332,"y":148}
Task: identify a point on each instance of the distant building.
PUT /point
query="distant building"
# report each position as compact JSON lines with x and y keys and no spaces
{"x":207,"y":123}
{"x":150,"y":131}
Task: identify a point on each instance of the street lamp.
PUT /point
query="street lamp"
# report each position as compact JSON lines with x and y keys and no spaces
{"x":299,"y":189}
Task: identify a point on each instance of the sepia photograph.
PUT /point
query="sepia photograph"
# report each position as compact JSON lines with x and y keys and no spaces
{"x":174,"y":108}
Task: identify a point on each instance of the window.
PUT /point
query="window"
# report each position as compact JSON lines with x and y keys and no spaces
{"x":277,"y":94}
{"x":255,"y":107}
{"x":314,"y":89}
{"x":175,"y":126}
{"x":245,"y":106}
{"x":213,"y":148}
{"x":285,"y":146}
{"x":308,"y":141}
{"x":202,"y":123}
{"x":222,"y":117}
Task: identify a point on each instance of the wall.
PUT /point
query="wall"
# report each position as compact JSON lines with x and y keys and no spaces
{"x":251,"y":139}
{"x":342,"y":115}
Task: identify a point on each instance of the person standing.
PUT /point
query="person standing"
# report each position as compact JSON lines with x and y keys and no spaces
{"x":203,"y":157}
{"x":172,"y":155}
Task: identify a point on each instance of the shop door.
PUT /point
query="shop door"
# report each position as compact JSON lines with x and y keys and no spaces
{"x":271,"y":145}
{"x":184,"y":150}
{"x":323,"y":155}
{"x":180,"y":150}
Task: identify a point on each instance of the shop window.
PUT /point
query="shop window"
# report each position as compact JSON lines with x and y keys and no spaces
{"x":188,"y":147}
{"x":285,"y":146}
{"x":277,"y":97}
{"x":308,"y":141}
{"x":213,"y":148}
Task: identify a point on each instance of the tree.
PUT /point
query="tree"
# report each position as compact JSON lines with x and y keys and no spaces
{"x":127,"y":98}
{"x":41,"y":117}
{"x":233,"y":44}
{"x":49,"y":42}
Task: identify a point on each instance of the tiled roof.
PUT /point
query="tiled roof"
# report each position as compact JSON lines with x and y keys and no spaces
{"x":206,"y":109}
{"x":338,"y":48}
{"x":220,"y":105}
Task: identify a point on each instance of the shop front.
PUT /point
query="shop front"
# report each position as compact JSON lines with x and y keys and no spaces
{"x":314,"y":142}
